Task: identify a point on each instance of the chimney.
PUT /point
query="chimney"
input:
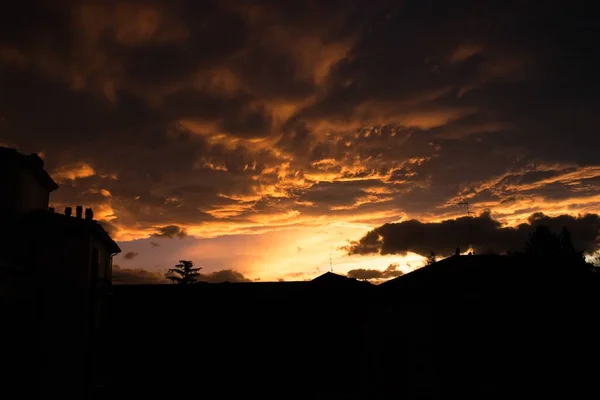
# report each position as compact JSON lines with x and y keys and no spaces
{"x":78,"y":211}
{"x":51,"y":210}
{"x":89,"y":214}
{"x":68,"y":211}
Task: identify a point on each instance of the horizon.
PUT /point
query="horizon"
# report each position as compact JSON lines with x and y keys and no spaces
{"x":278,"y":141}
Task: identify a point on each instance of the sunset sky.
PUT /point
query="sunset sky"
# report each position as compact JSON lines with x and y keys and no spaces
{"x":267,"y":136}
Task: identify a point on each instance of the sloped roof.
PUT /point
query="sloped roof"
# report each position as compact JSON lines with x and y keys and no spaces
{"x":32,"y":162}
{"x":50,"y":220}
{"x":456,"y":272}
{"x":335,"y":280}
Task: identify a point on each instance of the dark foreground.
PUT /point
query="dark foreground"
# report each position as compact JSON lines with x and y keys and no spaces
{"x":465,"y":328}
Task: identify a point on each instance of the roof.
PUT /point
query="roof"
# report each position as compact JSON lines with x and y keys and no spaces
{"x":456,"y":272}
{"x":32,"y":162}
{"x":53,"y":220}
{"x":335,"y":280}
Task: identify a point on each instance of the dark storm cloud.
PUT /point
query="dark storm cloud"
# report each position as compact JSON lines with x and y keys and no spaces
{"x":199,"y":113}
{"x":488,"y":235}
{"x":374,"y":274}
{"x":170,"y":232}
{"x":466,"y":60}
{"x":139,"y":276}
{"x":340,"y":195}
{"x":226,"y":275}
{"x":130,"y":255}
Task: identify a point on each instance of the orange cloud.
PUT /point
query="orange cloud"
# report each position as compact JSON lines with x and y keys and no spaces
{"x":215,"y":134}
{"x":73,"y":171}
{"x":458,"y":132}
{"x":130,"y":23}
{"x":312,"y":54}
{"x":369,"y":199}
{"x":509,"y":182}
{"x":281,"y":110}
{"x":382,"y":113}
{"x":11,"y":55}
{"x":220,"y":81}
{"x":102,"y":192}
{"x":517,"y":199}
{"x":465,"y":51}
{"x":314,"y":58}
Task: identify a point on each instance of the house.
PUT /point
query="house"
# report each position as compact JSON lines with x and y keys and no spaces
{"x":55,"y":270}
{"x":487,"y":326}
{"x":26,"y":186}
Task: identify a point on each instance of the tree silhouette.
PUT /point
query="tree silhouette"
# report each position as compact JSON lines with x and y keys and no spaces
{"x":432,"y":259}
{"x":568,"y":250}
{"x":595,"y":264}
{"x":542,"y":243}
{"x":566,"y":243}
{"x":551,"y":249}
{"x":183,"y":273}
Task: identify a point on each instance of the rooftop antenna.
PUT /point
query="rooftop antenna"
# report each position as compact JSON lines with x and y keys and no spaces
{"x":465,"y":204}
{"x":330,"y":264}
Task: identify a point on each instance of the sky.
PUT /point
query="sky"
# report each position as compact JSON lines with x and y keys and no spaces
{"x":274,"y":140}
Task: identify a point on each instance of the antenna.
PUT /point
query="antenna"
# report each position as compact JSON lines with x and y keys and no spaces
{"x":330,"y":264}
{"x":465,"y":204}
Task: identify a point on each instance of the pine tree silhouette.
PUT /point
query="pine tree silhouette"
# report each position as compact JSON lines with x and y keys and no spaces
{"x":184,"y":273}
{"x":432,"y":259}
{"x":542,"y":243}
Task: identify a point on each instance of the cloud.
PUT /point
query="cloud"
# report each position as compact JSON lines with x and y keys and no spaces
{"x":125,"y":276}
{"x":226,"y":275}
{"x":130,"y":24}
{"x":140,"y":276}
{"x":304,"y":112}
{"x":72,"y":172}
{"x":487,"y":235}
{"x":465,"y":51}
{"x":170,"y":231}
{"x":130,"y":255}
{"x":390,"y":272}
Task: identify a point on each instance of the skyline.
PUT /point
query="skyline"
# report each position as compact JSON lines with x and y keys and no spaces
{"x":264,"y":138}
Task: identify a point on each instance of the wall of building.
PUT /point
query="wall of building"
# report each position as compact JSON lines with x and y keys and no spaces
{"x":21,"y":192}
{"x":9,"y":198}
{"x":53,"y":305}
{"x":104,"y":261}
{"x":18,"y":337}
{"x":32,"y":195}
{"x":63,"y":296}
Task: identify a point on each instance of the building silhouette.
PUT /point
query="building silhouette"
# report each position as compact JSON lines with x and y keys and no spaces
{"x":55,"y":271}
